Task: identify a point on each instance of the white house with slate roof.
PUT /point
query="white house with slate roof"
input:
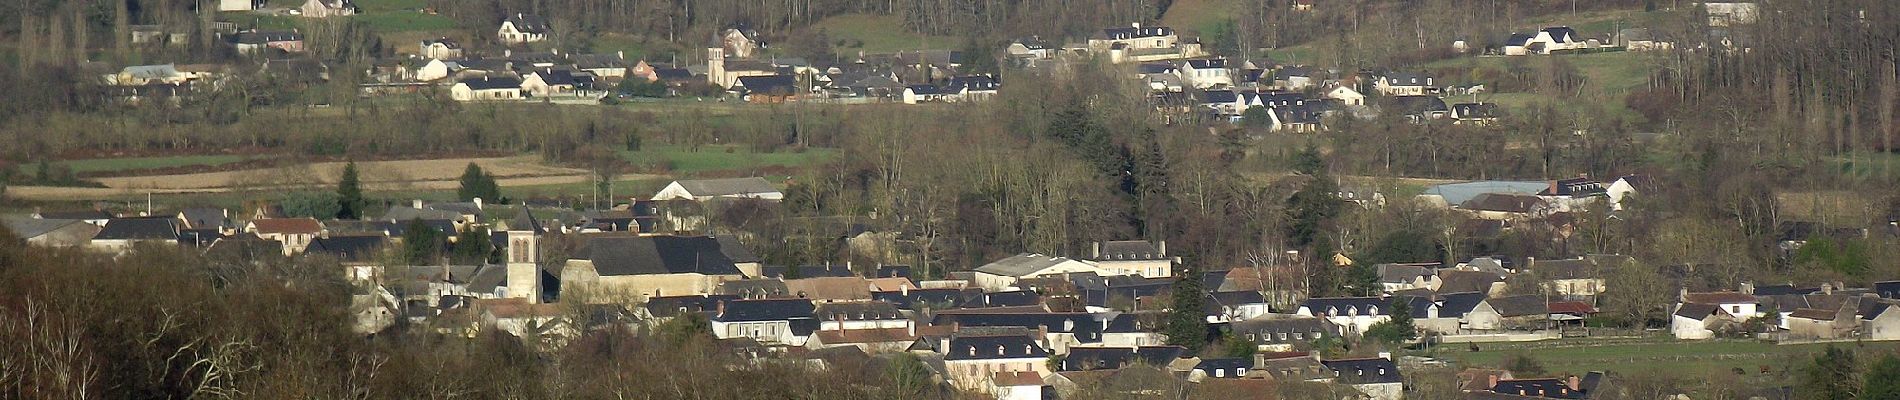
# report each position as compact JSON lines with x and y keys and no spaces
{"x":771,"y":322}
{"x":486,"y":89}
{"x":734,"y":188}
{"x":620,"y":268}
{"x":1133,"y":257}
{"x":1352,"y":314}
{"x":1003,"y":274}
{"x":522,"y":28}
{"x":1377,"y":378}
{"x":970,"y":361}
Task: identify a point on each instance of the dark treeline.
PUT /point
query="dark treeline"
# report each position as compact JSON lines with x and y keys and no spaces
{"x":159,"y":323}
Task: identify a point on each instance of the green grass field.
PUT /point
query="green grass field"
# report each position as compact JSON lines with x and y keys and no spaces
{"x":1689,"y":359}
{"x":682,"y":160}
{"x":404,"y":21}
{"x":879,"y":34}
{"x":1608,"y":78}
{"x":98,"y":165}
{"x":1199,"y":16}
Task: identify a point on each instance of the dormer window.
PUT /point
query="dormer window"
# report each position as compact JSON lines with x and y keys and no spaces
{"x":999,"y":350}
{"x":972,"y":351}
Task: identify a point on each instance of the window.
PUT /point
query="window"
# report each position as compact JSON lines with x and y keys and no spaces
{"x":1220,"y":373}
{"x":1735,"y":310}
{"x":1282,"y":336}
{"x":1299,"y":336}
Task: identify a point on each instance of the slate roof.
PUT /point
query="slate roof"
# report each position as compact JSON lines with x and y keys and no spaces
{"x":1455,"y":305}
{"x":1294,"y":367}
{"x":781,"y":85}
{"x":1084,"y":326}
{"x":735,"y":251}
{"x":1563,"y":34}
{"x":1271,"y":330}
{"x":1364,"y":371}
{"x":1888,"y":289}
{"x":34,"y":227}
{"x":1020,"y":264}
{"x":1476,"y":110}
{"x":1519,"y":39}
{"x":1519,"y":306}
{"x":1233,"y":367}
{"x":528,"y":23}
{"x":142,"y":228}
{"x":1697,"y":311}
{"x":975,"y":82}
{"x":727,"y":186}
{"x":1206,"y":63}
{"x":754,"y":288}
{"x":1406,"y":79}
{"x":858,"y":311}
{"x":1100,"y":358}
{"x":1326,"y":306}
{"x":1718,"y":298}
{"x":1789,"y":289}
{"x":619,"y":256}
{"x":1548,"y":388}
{"x":674,"y":306}
{"x":916,"y":298}
{"x":993,"y":347}
{"x":204,"y":217}
{"x":347,"y":248}
{"x":491,"y":83}
{"x":1571,"y":307}
{"x":1574,"y":187}
{"x":764,"y":310}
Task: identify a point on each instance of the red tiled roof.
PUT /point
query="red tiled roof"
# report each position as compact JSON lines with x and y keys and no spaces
{"x":1029,"y":378}
{"x":1571,"y":307}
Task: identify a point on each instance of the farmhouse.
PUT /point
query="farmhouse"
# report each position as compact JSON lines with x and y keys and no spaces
{"x":522,"y":28}
{"x":486,"y":89}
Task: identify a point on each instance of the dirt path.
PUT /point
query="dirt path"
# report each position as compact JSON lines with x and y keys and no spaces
{"x":376,"y":175}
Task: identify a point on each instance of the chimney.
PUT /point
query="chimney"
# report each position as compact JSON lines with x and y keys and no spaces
{"x":839,"y":318}
{"x":1494,"y":381}
{"x":1574,"y":383}
{"x":1748,"y":288}
{"x":417,"y":204}
{"x":1137,"y":25}
{"x":910,"y":329}
{"x":1095,"y":251}
{"x":507,"y":52}
{"x":1163,"y":247}
{"x":720,"y":311}
{"x":478,"y":203}
{"x":1385,"y":355}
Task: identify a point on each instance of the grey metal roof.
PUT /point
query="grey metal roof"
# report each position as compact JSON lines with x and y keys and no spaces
{"x":34,"y":227}
{"x":1458,"y":193}
{"x":1020,"y":264}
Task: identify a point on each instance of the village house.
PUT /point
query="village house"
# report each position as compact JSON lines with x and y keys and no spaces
{"x":1224,"y":307}
{"x":1222,"y":368}
{"x":327,"y":8}
{"x":1033,"y":48}
{"x":724,"y":71}
{"x":729,"y":188}
{"x":1141,"y":44}
{"x":121,"y":234}
{"x":1571,"y":387}
{"x":770,"y":322}
{"x":1738,"y":304}
{"x":1020,"y":385}
{"x":1643,"y":39}
{"x":1056,"y":331}
{"x":1294,"y":78}
{"x":442,"y":48}
{"x":1397,"y":277}
{"x":767,"y":89}
{"x":1554,"y":39}
{"x":1344,"y":95}
{"x":521,"y":28}
{"x":1132,"y":257}
{"x":547,"y":82}
{"x":294,"y":233}
{"x":1404,"y":84}
{"x":1480,"y":114}
{"x":1524,"y":312}
{"x":486,"y":88}
{"x":972,"y":360}
{"x":616,"y":268}
{"x":1206,"y":73}
{"x":609,"y":66}
{"x":1377,"y":378}
{"x":1692,"y":321}
{"x":1352,"y":314}
{"x":238,"y":5}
